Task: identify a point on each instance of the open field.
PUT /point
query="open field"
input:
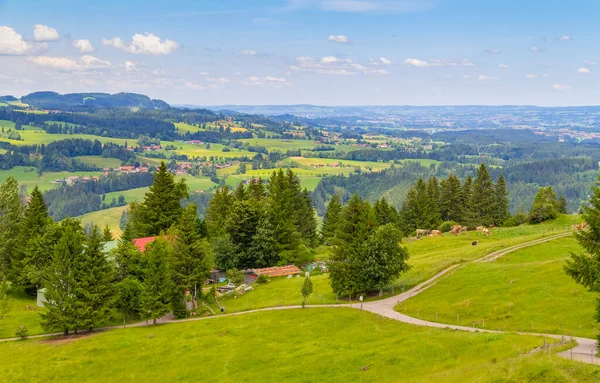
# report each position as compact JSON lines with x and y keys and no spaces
{"x":101,"y":162}
{"x":101,"y":218}
{"x":311,"y":345}
{"x":29,"y":177}
{"x":526,"y":290}
{"x":22,"y":311}
{"x":429,"y":256}
{"x":215,"y":150}
{"x":32,"y":135}
{"x":130,"y":195}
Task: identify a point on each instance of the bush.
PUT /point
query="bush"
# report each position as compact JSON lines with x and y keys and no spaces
{"x":262,"y":279}
{"x":516,"y":220}
{"x":446,"y":226}
{"x":22,"y":332}
{"x":235,"y":277}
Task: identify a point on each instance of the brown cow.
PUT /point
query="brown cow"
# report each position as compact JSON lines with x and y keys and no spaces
{"x":435,"y":233}
{"x":463,"y":228}
{"x":576,"y":227}
{"x":487,"y":232}
{"x":479,"y":228}
{"x":455,"y":230}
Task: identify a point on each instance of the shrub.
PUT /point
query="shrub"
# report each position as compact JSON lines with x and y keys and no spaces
{"x":446,"y":226}
{"x":236,"y":277}
{"x":262,"y":279}
{"x":516,"y":220}
{"x":22,"y":332}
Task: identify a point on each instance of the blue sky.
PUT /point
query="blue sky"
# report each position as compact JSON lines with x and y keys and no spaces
{"x":327,"y":52}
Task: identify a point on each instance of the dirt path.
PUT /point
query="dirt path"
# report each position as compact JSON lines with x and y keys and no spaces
{"x":585,"y":350}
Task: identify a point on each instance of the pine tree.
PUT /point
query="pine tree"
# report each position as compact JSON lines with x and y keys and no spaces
{"x":584,"y":268}
{"x":34,"y":250}
{"x":191,"y":255}
{"x":433,"y":192}
{"x":562,"y":205}
{"x":158,"y":285}
{"x":107,"y":234}
{"x":307,"y":222}
{"x":241,"y":227}
{"x":256,"y":189}
{"x":61,"y":283}
{"x":501,"y":213}
{"x":93,"y":276}
{"x":331,"y":219}
{"x":283,"y":213}
{"x":483,"y":199}
{"x":161,"y":207}
{"x":306,"y":290}
{"x":385,"y":213}
{"x":451,"y":199}
{"x":418,"y":211}
{"x":11,"y":219}
{"x":218,"y":211}
{"x":264,"y":248}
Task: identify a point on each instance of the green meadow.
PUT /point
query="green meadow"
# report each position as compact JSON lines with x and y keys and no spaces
{"x":325,"y":345}
{"x":29,"y":177}
{"x":526,"y":290}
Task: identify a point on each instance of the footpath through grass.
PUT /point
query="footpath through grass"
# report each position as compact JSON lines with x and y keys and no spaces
{"x":324,"y":345}
{"x":526,"y":290}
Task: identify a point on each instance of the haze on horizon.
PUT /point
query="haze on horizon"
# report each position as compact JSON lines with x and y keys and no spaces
{"x":318,"y":52}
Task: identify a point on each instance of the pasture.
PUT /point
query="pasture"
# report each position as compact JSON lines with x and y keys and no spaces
{"x":311,"y":345}
{"x":526,"y":290}
{"x":101,"y":162}
{"x":29,"y":177}
{"x":101,"y":218}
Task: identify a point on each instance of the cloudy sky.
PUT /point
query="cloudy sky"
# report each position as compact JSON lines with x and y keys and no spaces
{"x":327,"y":52}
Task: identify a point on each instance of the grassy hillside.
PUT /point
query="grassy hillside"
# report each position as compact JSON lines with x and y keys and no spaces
{"x":337,"y":345}
{"x":527,"y":290}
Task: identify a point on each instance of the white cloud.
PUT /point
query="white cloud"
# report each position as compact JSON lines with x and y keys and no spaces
{"x":249,"y":52}
{"x":129,"y":66}
{"x":564,"y":37}
{"x":191,"y":85}
{"x":534,"y":49}
{"x":219,"y":80}
{"x":590,"y":63}
{"x":438,"y":63}
{"x":530,"y":76}
{"x":83,"y":46}
{"x":560,"y":87}
{"x":147,"y":44}
{"x":329,"y":59}
{"x":385,"y":61}
{"x":487,"y":78}
{"x":66,"y":64}
{"x":12,"y":43}
{"x":340,"y":39}
{"x":267,"y":80}
{"x":43,"y":32}
{"x":583,"y":70}
{"x":492,"y":51}
{"x":381,"y":72}
{"x":503,"y":66}
{"x":416,"y":62}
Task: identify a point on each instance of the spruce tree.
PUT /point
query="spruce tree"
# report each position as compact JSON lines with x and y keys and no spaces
{"x":191,"y":255}
{"x":544,"y":207}
{"x":264,"y":248}
{"x":483,"y":199}
{"x":418,"y":210}
{"x":161,"y":207}
{"x":562,"y":205}
{"x":218,"y":211}
{"x":385,"y":213}
{"x":584,"y":268}
{"x":433,"y":192}
{"x":307,"y":222}
{"x":11,"y":219}
{"x":451,"y":201}
{"x":501,"y":213}
{"x":158,"y":284}
{"x":331,"y":218}
{"x":94,"y":276}
{"x":60,"y":313}
{"x":283,"y":214}
{"x":107,"y":234}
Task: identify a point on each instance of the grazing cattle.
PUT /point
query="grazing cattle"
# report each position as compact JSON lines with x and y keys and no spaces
{"x":479,"y":228}
{"x":491,"y":226}
{"x":577,"y":227}
{"x":487,"y":232}
{"x":455,"y":231}
{"x":463,"y":228}
{"x":583,"y":225}
{"x":474,"y":243}
{"x":435,"y":233}
{"x":422,"y":232}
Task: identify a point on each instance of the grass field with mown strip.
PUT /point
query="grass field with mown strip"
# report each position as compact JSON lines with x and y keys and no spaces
{"x":28,"y":176}
{"x":429,"y":256}
{"x":101,"y":162}
{"x":526,"y":290}
{"x":333,"y":345}
{"x":101,"y":218}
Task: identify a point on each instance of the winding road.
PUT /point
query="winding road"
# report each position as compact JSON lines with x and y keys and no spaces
{"x":585,"y":350}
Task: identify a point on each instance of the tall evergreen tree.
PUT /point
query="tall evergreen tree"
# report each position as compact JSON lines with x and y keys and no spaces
{"x":544,"y":207}
{"x":217,"y":212}
{"x":94,"y":276}
{"x":483,"y":199}
{"x":191,"y":256}
{"x":11,"y":219}
{"x":584,"y":268}
{"x":264,"y":248}
{"x":306,"y":222}
{"x":418,"y":210}
{"x":331,"y":219}
{"x":385,"y":213}
{"x":451,"y":201}
{"x":158,"y":285}
{"x":161,"y":207}
{"x":433,"y":192}
{"x":282,"y":204}
{"x":62,"y":277}
{"x":562,"y":205}
{"x":501,"y":213}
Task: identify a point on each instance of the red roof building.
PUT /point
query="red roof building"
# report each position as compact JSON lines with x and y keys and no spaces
{"x":141,"y":243}
{"x":279,"y":271}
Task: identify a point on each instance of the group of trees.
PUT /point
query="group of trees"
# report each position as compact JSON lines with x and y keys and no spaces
{"x":367,"y":254}
{"x":84,"y":286}
{"x":475,"y":202}
{"x":262,"y":225}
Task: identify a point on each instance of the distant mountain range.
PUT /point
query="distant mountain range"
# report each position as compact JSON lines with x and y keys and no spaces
{"x":79,"y":101}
